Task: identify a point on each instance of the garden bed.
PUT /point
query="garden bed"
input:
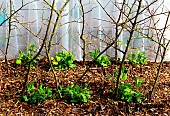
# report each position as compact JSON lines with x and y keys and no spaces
{"x":100,"y":81}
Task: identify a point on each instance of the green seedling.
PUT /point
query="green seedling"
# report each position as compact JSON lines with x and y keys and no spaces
{"x":138,"y":82}
{"x":126,"y":93}
{"x":18,"y":61}
{"x":8,"y":95}
{"x":108,"y":77}
{"x":63,"y":60}
{"x":123,"y":75}
{"x":75,"y":94}
{"x":36,"y":96}
{"x":101,"y":60}
{"x":116,"y":72}
{"x":136,"y":59}
{"x":25,"y":57}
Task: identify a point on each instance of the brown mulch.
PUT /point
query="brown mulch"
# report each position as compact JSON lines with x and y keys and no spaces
{"x":101,"y":103}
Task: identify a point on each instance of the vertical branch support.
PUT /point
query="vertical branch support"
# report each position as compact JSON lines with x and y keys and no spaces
{"x":9,"y":33}
{"x":82,"y":33}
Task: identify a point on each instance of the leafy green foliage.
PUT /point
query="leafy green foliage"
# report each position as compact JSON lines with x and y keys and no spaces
{"x":126,"y":93}
{"x":136,"y":59}
{"x":138,"y":82}
{"x":123,"y":75}
{"x":116,"y":72}
{"x":36,"y":96}
{"x":63,"y":60}
{"x":75,"y":94}
{"x":23,"y":58}
{"x":101,"y":60}
{"x":108,"y":77}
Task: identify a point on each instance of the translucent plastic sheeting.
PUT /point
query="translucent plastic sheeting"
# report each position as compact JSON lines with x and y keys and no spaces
{"x":99,"y":31}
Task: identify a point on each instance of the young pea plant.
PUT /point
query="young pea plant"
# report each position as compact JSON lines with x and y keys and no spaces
{"x":138,"y":82}
{"x":63,"y":60}
{"x":125,"y":91}
{"x":123,"y":75}
{"x":75,"y":94}
{"x":136,"y":59}
{"x":101,"y":60}
{"x":23,"y":58}
{"x":36,"y":96}
{"x":127,"y":94}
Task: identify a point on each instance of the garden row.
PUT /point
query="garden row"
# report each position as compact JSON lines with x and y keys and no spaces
{"x":75,"y":93}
